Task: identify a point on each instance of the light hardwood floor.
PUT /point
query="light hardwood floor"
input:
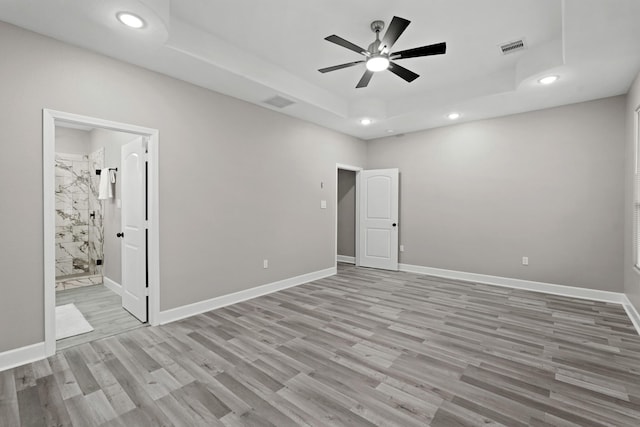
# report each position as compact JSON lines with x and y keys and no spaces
{"x":103,"y":310}
{"x":361,"y":348}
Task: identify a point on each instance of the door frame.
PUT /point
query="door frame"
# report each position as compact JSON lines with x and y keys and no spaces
{"x":49,"y":120}
{"x":357,"y":170}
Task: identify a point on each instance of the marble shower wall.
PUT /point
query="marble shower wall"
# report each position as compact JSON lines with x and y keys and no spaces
{"x":78,"y":236}
{"x":96,"y":229}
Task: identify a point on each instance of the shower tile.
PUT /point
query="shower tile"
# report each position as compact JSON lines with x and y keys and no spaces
{"x":80,"y":203}
{"x":80,"y":265}
{"x":63,"y":218}
{"x":76,"y":250}
{"x":64,"y":268}
{"x":61,"y":183}
{"x":80,"y":233}
{"x":79,"y":167}
{"x":64,"y":201}
{"x":78,"y":185}
{"x":62,"y":160}
{"x":64,"y":171}
{"x":82,"y":217}
{"x":64,"y":234}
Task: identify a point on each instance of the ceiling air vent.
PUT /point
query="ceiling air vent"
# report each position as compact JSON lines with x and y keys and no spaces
{"x":279,"y":102}
{"x":511,"y":47}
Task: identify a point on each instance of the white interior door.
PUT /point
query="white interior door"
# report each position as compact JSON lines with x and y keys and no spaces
{"x":379,"y":219}
{"x":134,"y":258}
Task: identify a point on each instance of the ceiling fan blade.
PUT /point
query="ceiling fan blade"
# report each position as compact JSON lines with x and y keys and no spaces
{"x":345,"y":43}
{"x":364,"y":81}
{"x":395,"y":30}
{"x":402,"y":72}
{"x":433,"y":49}
{"x":339,"y":67}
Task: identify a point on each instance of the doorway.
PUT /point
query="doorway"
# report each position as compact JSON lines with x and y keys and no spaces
{"x":81,"y":247}
{"x":347,"y":220}
{"x":376,"y":200}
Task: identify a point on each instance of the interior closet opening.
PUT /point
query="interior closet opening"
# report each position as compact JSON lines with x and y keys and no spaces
{"x":347,"y":214}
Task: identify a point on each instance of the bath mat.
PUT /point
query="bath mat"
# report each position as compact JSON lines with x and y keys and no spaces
{"x":70,"y":322}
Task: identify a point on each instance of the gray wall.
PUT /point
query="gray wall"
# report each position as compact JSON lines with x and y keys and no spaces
{"x":238,"y":183}
{"x":72,"y":141}
{"x":631,"y":274}
{"x":112,"y":142}
{"x":548,"y":184}
{"x":346,"y":213}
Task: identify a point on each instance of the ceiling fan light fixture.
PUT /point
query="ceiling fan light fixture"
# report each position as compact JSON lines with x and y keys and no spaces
{"x":130,"y":20}
{"x":548,"y":80}
{"x":377,"y":63}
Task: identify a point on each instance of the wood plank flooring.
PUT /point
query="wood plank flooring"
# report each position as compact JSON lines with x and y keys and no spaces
{"x":362,"y":348}
{"x":103,"y":310}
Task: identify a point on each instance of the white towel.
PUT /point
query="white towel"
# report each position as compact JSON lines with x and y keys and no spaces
{"x":105,"y":190}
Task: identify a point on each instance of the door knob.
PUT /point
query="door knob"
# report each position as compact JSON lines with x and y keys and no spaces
{"x":394,"y":224}
{"x":119,"y":234}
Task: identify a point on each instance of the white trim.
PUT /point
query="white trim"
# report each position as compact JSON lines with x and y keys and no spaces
{"x":632,"y":313}
{"x":346,"y":259}
{"x":21,"y":356}
{"x":112,"y":285}
{"x":357,"y":170}
{"x":548,"y":288}
{"x":348,"y":167}
{"x":49,"y":120}
{"x":189,"y":310}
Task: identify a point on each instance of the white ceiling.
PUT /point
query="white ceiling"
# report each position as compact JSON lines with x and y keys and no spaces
{"x":256,"y":49}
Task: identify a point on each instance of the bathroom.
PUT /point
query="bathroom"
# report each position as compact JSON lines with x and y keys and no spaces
{"x":87,"y":223}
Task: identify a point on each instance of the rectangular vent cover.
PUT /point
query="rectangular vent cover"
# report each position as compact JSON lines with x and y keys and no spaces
{"x":279,"y":102}
{"x":511,"y":47}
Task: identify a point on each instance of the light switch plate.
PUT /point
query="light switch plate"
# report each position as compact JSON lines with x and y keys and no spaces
{"x":323,"y":204}
{"x":118,"y":203}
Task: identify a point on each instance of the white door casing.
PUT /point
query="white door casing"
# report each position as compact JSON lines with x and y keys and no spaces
{"x":379,"y":219}
{"x":132,"y":175}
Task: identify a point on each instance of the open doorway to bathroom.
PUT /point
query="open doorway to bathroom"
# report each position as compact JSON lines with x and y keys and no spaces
{"x":88,"y":251}
{"x":84,"y":181}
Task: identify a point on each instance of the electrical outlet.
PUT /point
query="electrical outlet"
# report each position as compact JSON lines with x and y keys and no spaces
{"x":265,"y":263}
{"x":525,"y":260}
{"x":401,"y":248}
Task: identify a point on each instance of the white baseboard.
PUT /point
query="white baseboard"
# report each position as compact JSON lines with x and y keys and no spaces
{"x":547,"y":288}
{"x":112,"y":285}
{"x":632,"y":313}
{"x":346,"y":259}
{"x":189,"y":310}
{"x":21,"y":356}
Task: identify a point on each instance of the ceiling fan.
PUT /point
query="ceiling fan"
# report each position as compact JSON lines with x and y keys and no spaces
{"x":378,"y":57}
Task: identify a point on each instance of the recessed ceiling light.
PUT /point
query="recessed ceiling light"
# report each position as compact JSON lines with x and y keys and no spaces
{"x":453,"y":116}
{"x":548,"y":80}
{"x":130,"y":20}
{"x":390,"y":131}
{"x":365,"y":122}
